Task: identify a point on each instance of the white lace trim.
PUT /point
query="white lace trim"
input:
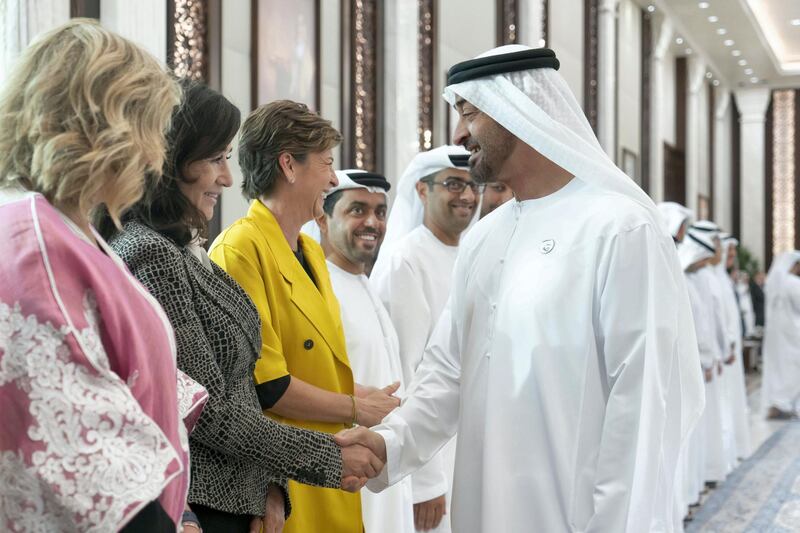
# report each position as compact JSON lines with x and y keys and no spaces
{"x":96,"y":453}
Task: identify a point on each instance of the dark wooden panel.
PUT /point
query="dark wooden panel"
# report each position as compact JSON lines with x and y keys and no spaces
{"x":674,"y":174}
{"x":711,"y":140}
{"x":426,"y":52}
{"x":796,"y":169}
{"x":736,"y":172}
{"x":645,"y":123}
{"x":769,"y":153}
{"x":507,"y":22}
{"x":681,"y":86}
{"x":591,"y":23}
{"x":84,"y":9}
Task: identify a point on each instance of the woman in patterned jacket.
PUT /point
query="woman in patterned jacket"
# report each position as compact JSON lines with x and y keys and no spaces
{"x":240,"y":458}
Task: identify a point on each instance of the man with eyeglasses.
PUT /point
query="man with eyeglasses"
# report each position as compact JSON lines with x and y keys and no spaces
{"x":437,"y":200}
{"x":495,"y":194}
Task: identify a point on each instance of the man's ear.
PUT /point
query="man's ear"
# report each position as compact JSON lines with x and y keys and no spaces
{"x":422,"y":191}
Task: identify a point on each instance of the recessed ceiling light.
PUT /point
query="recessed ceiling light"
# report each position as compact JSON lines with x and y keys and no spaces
{"x":754,"y":80}
{"x":721,"y":31}
{"x":709,"y":75}
{"x":713,"y":18}
{"x":728,"y":42}
{"x":679,"y":40}
{"x":703,"y":5}
{"x":716,"y":83}
{"x":748,"y":71}
{"x":795,"y":22}
{"x":742,"y":62}
{"x":736,"y":53}
{"x":651,"y":8}
{"x":688,"y":51}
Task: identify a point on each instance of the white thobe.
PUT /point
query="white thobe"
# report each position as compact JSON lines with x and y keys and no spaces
{"x":717,"y":416}
{"x":695,"y":480}
{"x":558,"y":361}
{"x":736,"y":387}
{"x":781,"y":385}
{"x":414,"y":285}
{"x":374,"y":355}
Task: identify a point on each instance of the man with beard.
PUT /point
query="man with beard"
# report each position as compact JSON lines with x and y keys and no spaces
{"x":495,"y":194}
{"x":352,"y":227}
{"x":436,"y":201}
{"x":566,"y":358}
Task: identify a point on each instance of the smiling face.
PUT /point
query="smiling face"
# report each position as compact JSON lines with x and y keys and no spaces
{"x":451,"y":212}
{"x":203,"y":181}
{"x":310,"y":179}
{"x":356,"y":227}
{"x":489,"y":143}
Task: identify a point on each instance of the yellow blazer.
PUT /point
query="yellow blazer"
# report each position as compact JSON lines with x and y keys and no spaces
{"x":301,"y":335}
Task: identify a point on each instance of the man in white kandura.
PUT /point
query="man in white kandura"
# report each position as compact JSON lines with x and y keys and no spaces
{"x":695,"y":257}
{"x":436,"y":201}
{"x":352,"y":228}
{"x":677,"y":219}
{"x":736,"y":387}
{"x":780,"y":390}
{"x":566,"y":358}
{"x":718,"y":415}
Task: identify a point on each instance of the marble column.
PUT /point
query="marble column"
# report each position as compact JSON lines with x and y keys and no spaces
{"x":722,"y":159}
{"x":607,"y":76}
{"x":143,"y":22}
{"x":21,"y":21}
{"x":531,"y":14}
{"x":694,"y":137}
{"x":235,"y":64}
{"x":400,"y":99}
{"x":662,"y":38}
{"x":753,"y":105}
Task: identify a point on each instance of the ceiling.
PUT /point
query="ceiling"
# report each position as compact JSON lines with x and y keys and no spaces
{"x":745,"y":43}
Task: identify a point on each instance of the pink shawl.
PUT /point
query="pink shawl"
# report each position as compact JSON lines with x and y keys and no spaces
{"x":89,"y":390}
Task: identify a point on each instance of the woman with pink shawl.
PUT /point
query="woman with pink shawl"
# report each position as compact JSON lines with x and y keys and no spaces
{"x":94,"y":414}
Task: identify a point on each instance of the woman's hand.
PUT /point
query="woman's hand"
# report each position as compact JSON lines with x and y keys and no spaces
{"x":275,"y":518}
{"x":373,"y":407}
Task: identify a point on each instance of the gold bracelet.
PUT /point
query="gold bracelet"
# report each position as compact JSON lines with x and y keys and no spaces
{"x":355,"y":412}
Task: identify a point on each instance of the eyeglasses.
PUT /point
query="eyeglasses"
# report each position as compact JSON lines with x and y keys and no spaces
{"x":458,"y":186}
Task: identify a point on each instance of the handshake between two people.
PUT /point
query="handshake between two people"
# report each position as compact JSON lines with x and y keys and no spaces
{"x":363,"y":450}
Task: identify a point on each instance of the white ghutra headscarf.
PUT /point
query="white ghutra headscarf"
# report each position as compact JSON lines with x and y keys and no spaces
{"x":407,"y":211}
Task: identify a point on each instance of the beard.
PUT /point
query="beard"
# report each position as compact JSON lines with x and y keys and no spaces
{"x":494,"y":151}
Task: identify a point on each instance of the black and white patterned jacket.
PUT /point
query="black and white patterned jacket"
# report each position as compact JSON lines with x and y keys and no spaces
{"x":236,"y":451}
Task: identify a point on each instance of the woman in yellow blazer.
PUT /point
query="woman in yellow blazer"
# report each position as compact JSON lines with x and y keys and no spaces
{"x":303,"y":376}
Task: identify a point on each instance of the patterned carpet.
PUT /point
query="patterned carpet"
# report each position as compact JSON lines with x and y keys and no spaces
{"x":762,"y":495}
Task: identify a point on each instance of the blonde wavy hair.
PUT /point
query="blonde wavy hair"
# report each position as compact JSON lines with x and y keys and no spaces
{"x":83,"y":117}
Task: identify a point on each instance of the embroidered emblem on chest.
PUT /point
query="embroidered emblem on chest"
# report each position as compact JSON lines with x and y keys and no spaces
{"x":547,"y":246}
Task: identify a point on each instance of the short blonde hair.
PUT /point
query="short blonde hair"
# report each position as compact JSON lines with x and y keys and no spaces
{"x":83,"y":117}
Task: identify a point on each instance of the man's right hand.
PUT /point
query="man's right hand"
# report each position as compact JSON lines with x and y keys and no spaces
{"x":378,"y":403}
{"x":428,"y":515}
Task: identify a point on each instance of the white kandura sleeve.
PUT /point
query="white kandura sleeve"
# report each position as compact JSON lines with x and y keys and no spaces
{"x":428,"y":417}
{"x":701,"y":323}
{"x":638,"y":340}
{"x":402,"y":292}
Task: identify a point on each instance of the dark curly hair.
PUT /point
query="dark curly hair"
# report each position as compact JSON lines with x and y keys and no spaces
{"x":202,"y":126}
